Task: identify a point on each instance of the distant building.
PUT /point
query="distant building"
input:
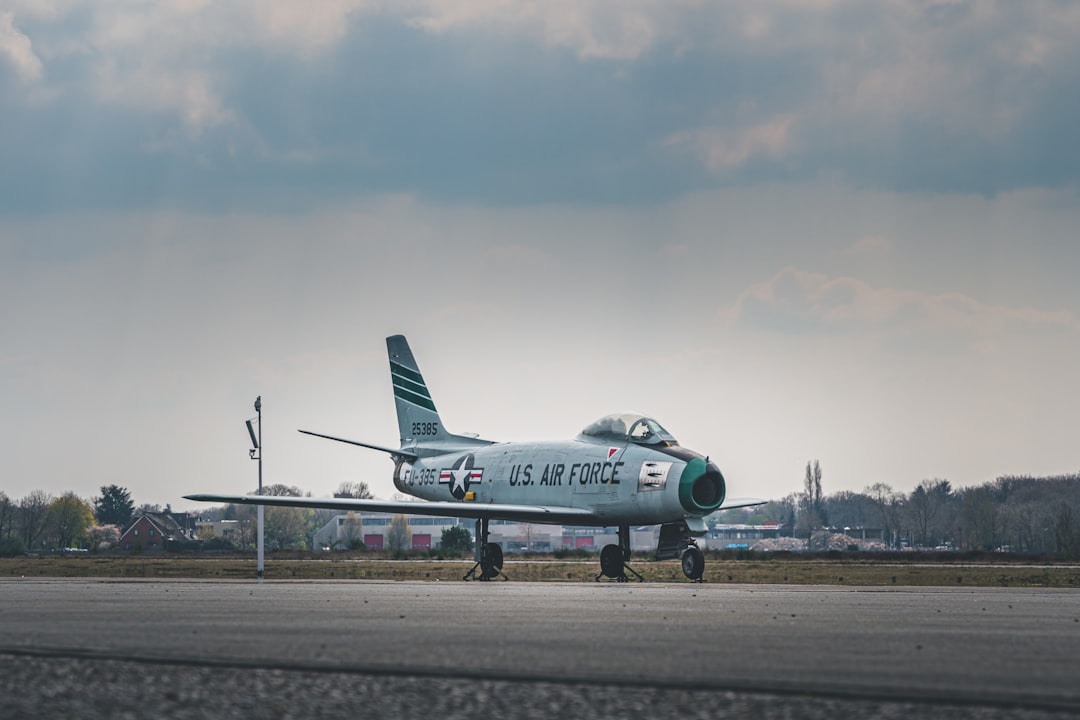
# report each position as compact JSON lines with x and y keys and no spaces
{"x":151,"y":530}
{"x":369,"y":528}
{"x":642,"y":539}
{"x":741,"y":536}
{"x":519,"y":537}
{"x":228,"y":529}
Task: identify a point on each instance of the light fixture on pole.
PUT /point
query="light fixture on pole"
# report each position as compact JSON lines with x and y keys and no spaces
{"x":255,"y":453}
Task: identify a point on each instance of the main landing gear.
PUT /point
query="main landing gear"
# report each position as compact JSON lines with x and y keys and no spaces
{"x":613,"y":559}
{"x":677,"y":542}
{"x":489,"y":556}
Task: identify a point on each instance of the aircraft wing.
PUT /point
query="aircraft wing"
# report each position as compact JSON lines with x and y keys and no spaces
{"x":491,"y":511}
{"x":732,"y":503}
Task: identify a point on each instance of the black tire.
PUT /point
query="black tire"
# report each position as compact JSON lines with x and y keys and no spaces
{"x":693,"y":563}
{"x":493,"y":560}
{"x":611,"y":561}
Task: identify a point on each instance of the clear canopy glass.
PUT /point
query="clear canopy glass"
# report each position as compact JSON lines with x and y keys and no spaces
{"x":623,"y":427}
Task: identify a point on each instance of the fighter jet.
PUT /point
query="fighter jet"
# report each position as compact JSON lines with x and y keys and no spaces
{"x":623,"y":470}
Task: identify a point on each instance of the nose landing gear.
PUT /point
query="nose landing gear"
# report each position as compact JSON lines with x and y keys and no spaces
{"x":693,"y":563}
{"x":677,"y":541}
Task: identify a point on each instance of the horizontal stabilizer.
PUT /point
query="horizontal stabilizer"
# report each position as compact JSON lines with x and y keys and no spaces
{"x":732,"y":503}
{"x":392,"y":451}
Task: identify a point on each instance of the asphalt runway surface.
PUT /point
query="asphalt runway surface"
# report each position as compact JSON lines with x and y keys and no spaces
{"x":101,"y":648}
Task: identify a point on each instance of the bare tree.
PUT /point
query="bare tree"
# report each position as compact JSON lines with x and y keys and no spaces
{"x":33,"y":510}
{"x":352,"y":532}
{"x":246,"y":523}
{"x":354,"y":489}
{"x":319,"y":518}
{"x":886,"y":500}
{"x":398,"y":534}
{"x":812,"y":506}
{"x":925,"y":505}
{"x":980,"y":519}
{"x":1066,"y":534}
{"x":7,"y":516}
{"x":280,"y":490}
{"x":850,"y":509}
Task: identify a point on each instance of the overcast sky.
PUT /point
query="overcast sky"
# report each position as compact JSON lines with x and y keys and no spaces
{"x":795,"y":230}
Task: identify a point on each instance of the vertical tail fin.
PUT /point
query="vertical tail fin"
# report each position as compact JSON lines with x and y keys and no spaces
{"x":418,"y":420}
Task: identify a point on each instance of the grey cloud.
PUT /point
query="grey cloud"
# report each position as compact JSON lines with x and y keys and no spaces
{"x":17,"y":52}
{"x":815,"y":304}
{"x":960,"y":99}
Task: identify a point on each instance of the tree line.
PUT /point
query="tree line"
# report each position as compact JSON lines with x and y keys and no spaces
{"x":40,"y":521}
{"x":1016,"y":513}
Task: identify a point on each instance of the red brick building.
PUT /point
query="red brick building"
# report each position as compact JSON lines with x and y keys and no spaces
{"x":150,"y":531}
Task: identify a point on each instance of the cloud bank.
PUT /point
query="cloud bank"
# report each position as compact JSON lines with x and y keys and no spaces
{"x":242,"y":102}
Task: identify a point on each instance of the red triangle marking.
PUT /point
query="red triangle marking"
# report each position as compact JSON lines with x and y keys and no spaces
{"x":611,"y":451}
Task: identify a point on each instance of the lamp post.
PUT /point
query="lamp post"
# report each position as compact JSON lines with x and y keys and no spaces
{"x":256,"y":454}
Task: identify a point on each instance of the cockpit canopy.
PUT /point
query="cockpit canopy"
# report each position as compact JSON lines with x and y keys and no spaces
{"x":636,"y":428}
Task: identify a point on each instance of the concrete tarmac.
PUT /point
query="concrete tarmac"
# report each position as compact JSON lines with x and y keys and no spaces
{"x":537,"y":649}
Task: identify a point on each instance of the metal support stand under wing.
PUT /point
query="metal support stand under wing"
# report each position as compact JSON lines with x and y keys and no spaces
{"x":614,"y":559}
{"x":489,"y":556}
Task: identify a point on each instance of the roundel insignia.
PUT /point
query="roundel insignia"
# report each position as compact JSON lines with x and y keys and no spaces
{"x":461,"y":475}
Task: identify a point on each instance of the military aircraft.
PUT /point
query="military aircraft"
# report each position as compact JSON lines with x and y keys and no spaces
{"x":623,"y":470}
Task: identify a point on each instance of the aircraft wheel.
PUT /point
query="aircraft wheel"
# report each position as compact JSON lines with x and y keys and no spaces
{"x":611,"y":561}
{"x":693,"y":563}
{"x":493,"y":562}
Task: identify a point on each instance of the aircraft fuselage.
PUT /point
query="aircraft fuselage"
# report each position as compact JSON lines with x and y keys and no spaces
{"x":622,"y":484}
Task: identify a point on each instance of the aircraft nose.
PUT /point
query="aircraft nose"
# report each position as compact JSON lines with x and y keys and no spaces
{"x":701,"y":487}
